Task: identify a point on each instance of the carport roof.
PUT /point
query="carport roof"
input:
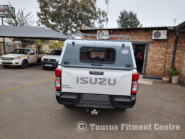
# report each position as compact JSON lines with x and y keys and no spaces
{"x":30,"y":32}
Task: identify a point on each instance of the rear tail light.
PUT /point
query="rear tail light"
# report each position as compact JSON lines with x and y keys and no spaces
{"x":58,"y":79}
{"x":57,"y":72}
{"x":135,"y":78}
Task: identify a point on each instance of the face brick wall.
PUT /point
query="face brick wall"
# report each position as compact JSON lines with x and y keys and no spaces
{"x":160,"y":52}
{"x":180,"y":56}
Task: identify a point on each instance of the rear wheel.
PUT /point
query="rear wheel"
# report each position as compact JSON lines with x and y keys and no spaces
{"x":39,"y":61}
{"x":67,"y":106}
{"x":6,"y":66}
{"x":123,"y":109}
{"x":24,"y":64}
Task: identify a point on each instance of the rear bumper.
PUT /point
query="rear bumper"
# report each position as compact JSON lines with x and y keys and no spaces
{"x":54,"y":64}
{"x":113,"y":102}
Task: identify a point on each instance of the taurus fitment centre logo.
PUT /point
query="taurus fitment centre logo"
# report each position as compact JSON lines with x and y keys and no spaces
{"x":81,"y":126}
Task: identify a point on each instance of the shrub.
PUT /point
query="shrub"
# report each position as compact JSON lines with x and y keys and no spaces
{"x":42,"y":52}
{"x":173,"y":72}
{"x":56,"y":45}
{"x":39,"y":47}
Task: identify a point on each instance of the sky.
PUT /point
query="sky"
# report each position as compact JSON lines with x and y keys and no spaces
{"x":151,"y":13}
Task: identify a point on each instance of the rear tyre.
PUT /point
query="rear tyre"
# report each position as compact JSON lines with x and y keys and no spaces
{"x":39,"y":61}
{"x":67,"y":106}
{"x":45,"y":68}
{"x":24,"y":64}
{"x":123,"y":109}
{"x":6,"y":66}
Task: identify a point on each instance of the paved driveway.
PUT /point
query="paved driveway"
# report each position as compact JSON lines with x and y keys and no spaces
{"x":33,"y":112}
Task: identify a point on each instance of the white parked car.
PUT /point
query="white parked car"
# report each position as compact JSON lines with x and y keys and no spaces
{"x":21,"y":57}
{"x":51,"y":60}
{"x":97,"y":74}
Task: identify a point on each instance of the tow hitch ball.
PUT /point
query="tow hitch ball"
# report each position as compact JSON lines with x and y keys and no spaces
{"x":93,"y":112}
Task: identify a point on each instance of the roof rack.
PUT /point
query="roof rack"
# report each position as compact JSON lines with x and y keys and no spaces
{"x":71,"y":37}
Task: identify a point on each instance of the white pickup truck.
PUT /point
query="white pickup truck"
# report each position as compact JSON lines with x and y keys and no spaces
{"x":51,"y":60}
{"x":21,"y":57}
{"x":97,"y":74}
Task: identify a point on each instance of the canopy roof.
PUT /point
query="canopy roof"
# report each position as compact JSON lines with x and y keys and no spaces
{"x":30,"y":32}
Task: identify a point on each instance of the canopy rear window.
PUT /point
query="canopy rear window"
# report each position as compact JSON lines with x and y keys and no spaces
{"x":97,"y":55}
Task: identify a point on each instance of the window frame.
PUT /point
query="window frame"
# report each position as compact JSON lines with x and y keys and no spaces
{"x":22,"y":49}
{"x":98,"y":62}
{"x":30,"y":51}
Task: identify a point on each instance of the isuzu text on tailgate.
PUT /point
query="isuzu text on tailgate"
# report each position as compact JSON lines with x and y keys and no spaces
{"x":97,"y":74}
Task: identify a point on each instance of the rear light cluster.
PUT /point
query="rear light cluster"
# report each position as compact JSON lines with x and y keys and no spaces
{"x":58,"y":79}
{"x":135,"y":78}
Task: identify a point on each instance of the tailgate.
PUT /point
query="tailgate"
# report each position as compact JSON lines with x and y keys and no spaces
{"x":96,"y":81}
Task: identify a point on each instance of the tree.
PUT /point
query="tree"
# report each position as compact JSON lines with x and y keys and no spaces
{"x":68,"y":15}
{"x":39,"y":45}
{"x":128,"y":20}
{"x":20,"y":19}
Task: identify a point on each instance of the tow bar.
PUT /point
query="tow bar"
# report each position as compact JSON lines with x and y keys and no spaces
{"x":93,"y":112}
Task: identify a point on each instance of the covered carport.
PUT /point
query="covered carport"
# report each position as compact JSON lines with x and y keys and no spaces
{"x":29,"y":33}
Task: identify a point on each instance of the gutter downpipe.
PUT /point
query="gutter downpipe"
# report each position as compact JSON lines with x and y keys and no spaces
{"x":174,"y":50}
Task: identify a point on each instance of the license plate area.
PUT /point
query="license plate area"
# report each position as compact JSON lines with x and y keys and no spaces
{"x":6,"y":62}
{"x":92,"y":97}
{"x":48,"y":65}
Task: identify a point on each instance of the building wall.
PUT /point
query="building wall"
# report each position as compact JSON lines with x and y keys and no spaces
{"x":182,"y":77}
{"x":180,"y":56}
{"x":160,"y":52}
{"x":2,"y":46}
{"x":6,"y":40}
